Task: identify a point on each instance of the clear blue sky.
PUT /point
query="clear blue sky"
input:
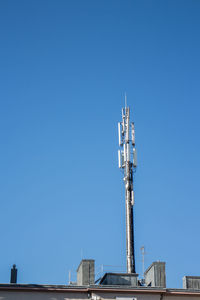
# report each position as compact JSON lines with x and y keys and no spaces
{"x":64,"y":68}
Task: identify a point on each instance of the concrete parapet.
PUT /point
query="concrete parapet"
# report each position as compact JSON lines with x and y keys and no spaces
{"x":129,"y":279}
{"x":155,"y":275}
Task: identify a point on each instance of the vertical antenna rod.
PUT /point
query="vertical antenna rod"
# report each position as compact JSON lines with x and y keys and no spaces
{"x":143,"y":254}
{"x":127,"y":162}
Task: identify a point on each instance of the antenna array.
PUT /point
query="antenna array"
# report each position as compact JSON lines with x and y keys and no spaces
{"x":128,"y":162}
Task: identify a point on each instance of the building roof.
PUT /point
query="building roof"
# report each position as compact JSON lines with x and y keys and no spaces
{"x":97,"y":289}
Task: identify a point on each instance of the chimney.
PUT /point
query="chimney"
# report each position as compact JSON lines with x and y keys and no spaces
{"x":13,"y":275}
{"x":85,"y":272}
{"x":155,"y":275}
{"x":191,"y":282}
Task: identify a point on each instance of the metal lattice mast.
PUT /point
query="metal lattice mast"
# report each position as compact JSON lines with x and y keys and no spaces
{"x":127,"y":162}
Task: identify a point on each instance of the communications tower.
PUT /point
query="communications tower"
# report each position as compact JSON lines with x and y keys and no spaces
{"x":128,"y":162}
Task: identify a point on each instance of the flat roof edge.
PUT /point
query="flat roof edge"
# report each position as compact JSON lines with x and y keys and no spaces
{"x":86,"y":289}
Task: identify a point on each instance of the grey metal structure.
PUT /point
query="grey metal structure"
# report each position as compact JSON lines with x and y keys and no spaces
{"x":128,"y":162}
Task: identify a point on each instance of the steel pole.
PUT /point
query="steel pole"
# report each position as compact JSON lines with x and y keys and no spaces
{"x":129,"y":223}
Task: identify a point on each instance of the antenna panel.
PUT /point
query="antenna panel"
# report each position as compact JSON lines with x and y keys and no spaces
{"x":134,"y":158}
{"x":133,"y":134}
{"x":119,"y":159}
{"x":123,"y":125}
{"x":125,"y":158}
{"x":128,"y":152}
{"x":122,"y":158}
{"x":127,"y":134}
{"x":127,"y":124}
{"x":119,"y":133}
{"x":128,"y":111}
{"x":132,"y":198}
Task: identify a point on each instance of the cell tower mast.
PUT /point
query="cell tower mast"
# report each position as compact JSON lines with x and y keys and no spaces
{"x":128,"y":162}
